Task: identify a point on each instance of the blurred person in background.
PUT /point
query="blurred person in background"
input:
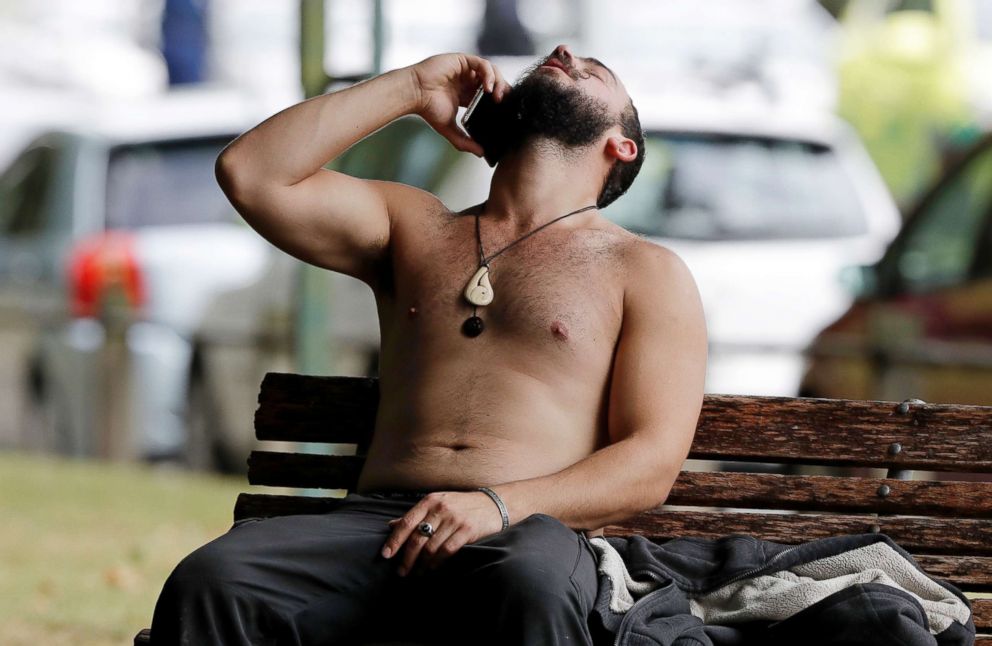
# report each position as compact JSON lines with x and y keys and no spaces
{"x":519,"y":413}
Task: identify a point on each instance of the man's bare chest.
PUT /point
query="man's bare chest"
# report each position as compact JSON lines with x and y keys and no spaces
{"x":561,"y":288}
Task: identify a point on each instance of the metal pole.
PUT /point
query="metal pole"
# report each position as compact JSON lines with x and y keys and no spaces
{"x":313,"y":76}
{"x":378,"y":36}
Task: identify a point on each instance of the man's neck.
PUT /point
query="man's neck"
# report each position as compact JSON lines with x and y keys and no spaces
{"x":537,"y":183}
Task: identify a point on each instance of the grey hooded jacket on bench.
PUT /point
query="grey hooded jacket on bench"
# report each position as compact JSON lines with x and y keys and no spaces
{"x":736,"y":590}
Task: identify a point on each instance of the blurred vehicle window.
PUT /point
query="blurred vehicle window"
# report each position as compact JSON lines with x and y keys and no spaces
{"x":940,"y":246}
{"x":23,"y":190}
{"x":724,"y":187}
{"x":910,"y":5}
{"x":983,"y":19}
{"x":165,"y":183}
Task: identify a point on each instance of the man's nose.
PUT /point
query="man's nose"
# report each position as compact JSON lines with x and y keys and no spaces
{"x":564,"y":53}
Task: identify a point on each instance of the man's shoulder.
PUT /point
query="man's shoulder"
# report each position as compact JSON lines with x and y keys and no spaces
{"x":646,"y":265}
{"x":402,"y":198}
{"x":654,"y":272}
{"x":646,"y":259}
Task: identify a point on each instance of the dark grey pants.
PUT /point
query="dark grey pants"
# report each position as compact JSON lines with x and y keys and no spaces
{"x":319,"y":579}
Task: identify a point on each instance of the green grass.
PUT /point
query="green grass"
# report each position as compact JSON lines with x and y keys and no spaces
{"x":86,"y":546}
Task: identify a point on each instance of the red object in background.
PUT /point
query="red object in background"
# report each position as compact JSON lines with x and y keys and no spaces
{"x":100,"y":264}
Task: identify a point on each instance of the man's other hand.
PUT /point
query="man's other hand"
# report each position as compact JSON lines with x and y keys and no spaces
{"x":457,"y":518}
{"x":447,"y":81}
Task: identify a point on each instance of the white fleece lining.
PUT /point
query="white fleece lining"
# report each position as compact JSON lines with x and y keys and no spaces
{"x":625,"y":588}
{"x":780,"y":595}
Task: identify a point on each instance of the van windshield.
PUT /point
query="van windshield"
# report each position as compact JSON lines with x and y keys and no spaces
{"x":166,"y":183}
{"x":731,"y":187}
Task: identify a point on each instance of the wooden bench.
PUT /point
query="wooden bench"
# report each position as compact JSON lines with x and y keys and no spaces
{"x":945,"y":524}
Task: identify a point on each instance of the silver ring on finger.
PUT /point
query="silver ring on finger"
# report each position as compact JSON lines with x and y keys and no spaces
{"x":426,"y":529}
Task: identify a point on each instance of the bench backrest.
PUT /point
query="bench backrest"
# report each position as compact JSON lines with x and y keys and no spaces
{"x":897,"y":451}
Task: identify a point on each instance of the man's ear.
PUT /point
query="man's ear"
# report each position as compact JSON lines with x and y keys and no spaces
{"x":622,"y":148}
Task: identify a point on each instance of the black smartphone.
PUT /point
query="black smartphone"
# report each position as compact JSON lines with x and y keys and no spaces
{"x":482,"y":122}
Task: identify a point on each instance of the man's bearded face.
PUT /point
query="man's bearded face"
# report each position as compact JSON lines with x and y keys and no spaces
{"x":542,"y":106}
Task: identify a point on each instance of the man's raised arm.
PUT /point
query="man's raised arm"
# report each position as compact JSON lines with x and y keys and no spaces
{"x":274,"y":176}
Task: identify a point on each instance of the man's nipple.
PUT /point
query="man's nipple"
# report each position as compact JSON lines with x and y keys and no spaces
{"x":558,"y":330}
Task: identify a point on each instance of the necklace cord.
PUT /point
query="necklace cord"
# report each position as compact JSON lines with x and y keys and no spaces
{"x":478,"y":236}
{"x":483,"y":260}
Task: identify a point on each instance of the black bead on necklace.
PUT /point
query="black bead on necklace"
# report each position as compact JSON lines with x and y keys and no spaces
{"x":479,"y":291}
{"x":473,"y":326}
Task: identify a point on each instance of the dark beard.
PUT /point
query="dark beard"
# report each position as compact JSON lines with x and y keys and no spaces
{"x":541,"y":107}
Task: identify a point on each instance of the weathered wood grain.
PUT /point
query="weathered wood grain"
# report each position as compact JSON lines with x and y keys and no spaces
{"x":260,"y":505}
{"x":318,"y":390}
{"x":982,"y":614}
{"x":304,"y":470}
{"x":971,"y":573}
{"x":304,"y":408}
{"x":937,"y":437}
{"x":826,"y":493}
{"x":963,"y":536}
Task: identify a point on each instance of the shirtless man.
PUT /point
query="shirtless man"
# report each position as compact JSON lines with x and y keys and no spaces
{"x":575,"y":406}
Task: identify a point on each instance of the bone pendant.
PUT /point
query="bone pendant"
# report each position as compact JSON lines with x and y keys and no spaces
{"x":479,"y":291}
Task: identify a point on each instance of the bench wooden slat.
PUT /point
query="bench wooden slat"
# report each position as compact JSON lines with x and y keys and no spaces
{"x":981,"y":610}
{"x":304,"y":408}
{"x":265,"y":505}
{"x":300,"y":423}
{"x":828,"y":493}
{"x":964,"y":536}
{"x":971,"y":573}
{"x":281,"y":387}
{"x":844,"y":432}
{"x":747,"y":490}
{"x":937,"y":437}
{"x":304,"y":470}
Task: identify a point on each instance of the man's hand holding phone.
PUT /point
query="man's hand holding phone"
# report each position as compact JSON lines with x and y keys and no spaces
{"x":448,"y":81}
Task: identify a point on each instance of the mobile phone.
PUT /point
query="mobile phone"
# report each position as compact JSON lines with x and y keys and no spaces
{"x":482,"y":122}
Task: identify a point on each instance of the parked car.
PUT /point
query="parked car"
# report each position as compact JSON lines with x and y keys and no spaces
{"x":921,"y":326}
{"x":764,"y":205}
{"x":138,"y":312}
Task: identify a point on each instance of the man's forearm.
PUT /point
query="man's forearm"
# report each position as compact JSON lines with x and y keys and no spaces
{"x":613,"y":483}
{"x":296,"y":142}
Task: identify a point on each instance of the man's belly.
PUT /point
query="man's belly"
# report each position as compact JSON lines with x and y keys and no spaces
{"x":465,"y":431}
